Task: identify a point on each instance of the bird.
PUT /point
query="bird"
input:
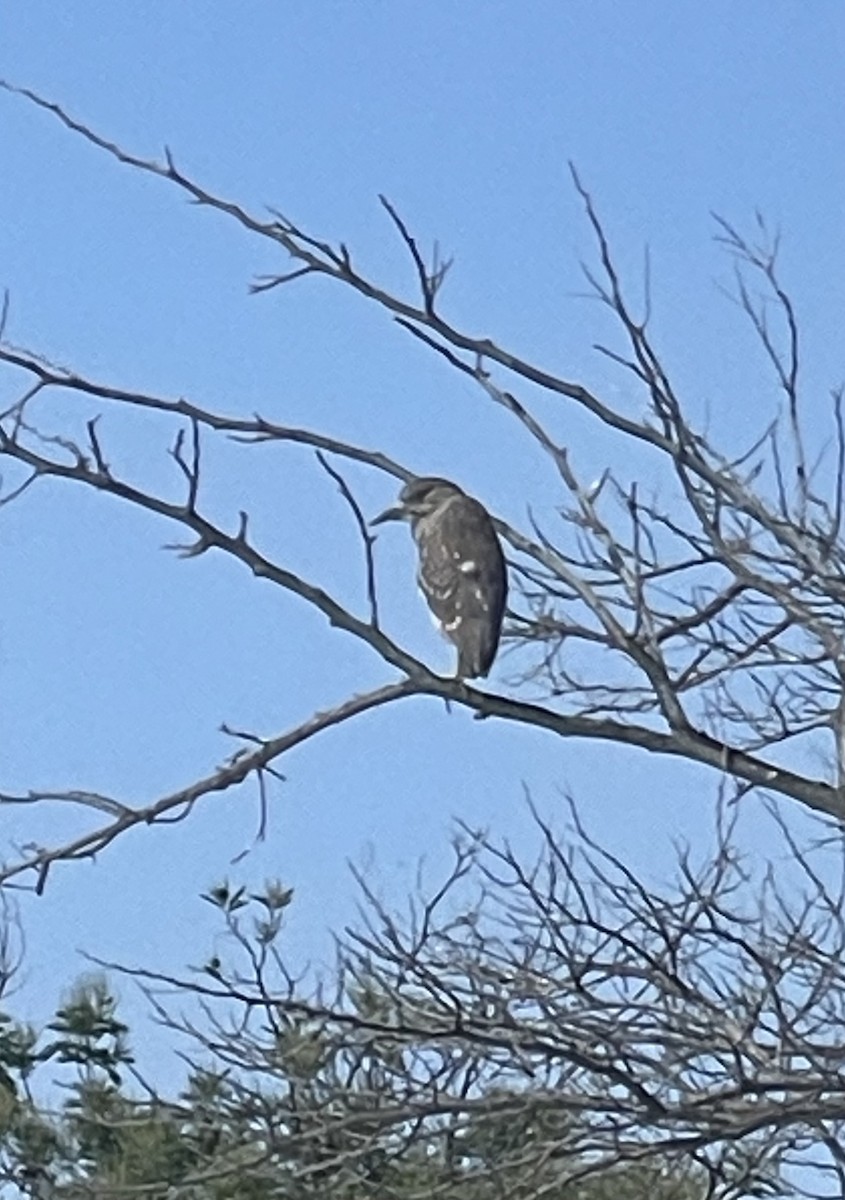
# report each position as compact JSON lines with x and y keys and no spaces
{"x":461,"y":572}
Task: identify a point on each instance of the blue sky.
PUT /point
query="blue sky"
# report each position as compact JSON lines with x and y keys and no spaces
{"x":118,"y":662}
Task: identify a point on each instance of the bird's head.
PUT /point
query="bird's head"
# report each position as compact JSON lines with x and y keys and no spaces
{"x":418,"y":498}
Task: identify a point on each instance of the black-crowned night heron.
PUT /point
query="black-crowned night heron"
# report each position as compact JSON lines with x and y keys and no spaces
{"x":462,"y":570}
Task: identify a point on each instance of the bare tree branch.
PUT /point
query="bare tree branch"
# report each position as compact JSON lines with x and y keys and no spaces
{"x":713,"y":618}
{"x":534,"y":1023}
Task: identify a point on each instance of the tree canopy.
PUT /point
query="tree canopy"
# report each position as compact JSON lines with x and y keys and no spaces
{"x":557,"y":1026}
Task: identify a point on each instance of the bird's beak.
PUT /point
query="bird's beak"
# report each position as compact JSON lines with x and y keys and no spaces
{"x":389,"y":514}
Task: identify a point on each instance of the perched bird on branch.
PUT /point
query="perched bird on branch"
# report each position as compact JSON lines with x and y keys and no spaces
{"x":462,"y":570}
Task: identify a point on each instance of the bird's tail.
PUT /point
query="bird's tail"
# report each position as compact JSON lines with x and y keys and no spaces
{"x":474,"y":661}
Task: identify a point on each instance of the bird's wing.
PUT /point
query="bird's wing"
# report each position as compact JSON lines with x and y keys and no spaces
{"x":462,"y":570}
